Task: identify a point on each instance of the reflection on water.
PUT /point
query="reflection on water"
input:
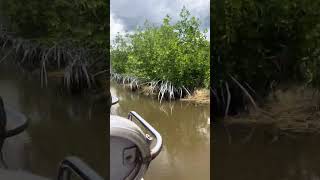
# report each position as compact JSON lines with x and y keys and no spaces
{"x":185,"y":132}
{"x":59,"y":125}
{"x":289,"y":158}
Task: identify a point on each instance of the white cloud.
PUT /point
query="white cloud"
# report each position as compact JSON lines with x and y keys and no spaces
{"x":135,"y":12}
{"x":127,"y":15}
{"x":116,"y":26}
{"x":196,"y":5}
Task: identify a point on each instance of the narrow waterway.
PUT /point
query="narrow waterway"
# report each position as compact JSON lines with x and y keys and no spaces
{"x":185,"y":131}
{"x":244,"y":153}
{"x":60,"y":125}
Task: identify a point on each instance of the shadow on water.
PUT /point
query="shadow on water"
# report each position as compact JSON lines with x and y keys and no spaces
{"x":235,"y":156}
{"x":59,"y":125}
{"x":185,"y":132}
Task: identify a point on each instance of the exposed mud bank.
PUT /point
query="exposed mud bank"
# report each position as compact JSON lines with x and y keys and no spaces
{"x":294,"y":110}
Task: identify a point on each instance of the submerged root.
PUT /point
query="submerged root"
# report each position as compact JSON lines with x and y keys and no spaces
{"x":160,"y":89}
{"x":77,"y":66}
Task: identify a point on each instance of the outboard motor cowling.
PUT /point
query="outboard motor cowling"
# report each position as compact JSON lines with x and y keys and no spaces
{"x":131,"y":149}
{"x":129,"y":154}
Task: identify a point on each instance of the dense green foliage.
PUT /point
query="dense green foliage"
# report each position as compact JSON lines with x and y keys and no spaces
{"x":176,"y":53}
{"x":60,"y":35}
{"x":84,"y":22}
{"x":260,"y":43}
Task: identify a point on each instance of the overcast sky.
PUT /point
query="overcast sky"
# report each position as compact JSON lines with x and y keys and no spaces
{"x":126,"y":15}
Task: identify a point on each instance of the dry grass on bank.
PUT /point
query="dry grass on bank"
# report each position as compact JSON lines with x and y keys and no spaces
{"x":296,"y":110}
{"x":201,"y":96}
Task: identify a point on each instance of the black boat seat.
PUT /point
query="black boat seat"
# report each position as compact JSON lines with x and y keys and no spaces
{"x":74,"y":165}
{"x":11,"y":121}
{"x":18,"y":175}
{"x":69,"y":166}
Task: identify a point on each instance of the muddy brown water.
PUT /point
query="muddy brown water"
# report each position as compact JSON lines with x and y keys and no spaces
{"x":59,"y":125}
{"x":242,"y":153}
{"x":185,"y":132}
{"x":69,"y":125}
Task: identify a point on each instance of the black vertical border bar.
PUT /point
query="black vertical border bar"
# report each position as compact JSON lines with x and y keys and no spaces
{"x":213,"y":70}
{"x":108,"y":100}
